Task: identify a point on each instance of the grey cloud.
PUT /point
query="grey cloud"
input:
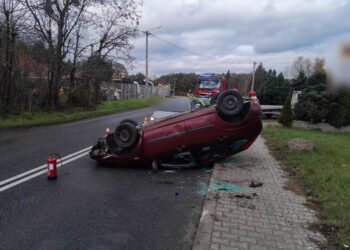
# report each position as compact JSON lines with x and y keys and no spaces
{"x":218,"y":28}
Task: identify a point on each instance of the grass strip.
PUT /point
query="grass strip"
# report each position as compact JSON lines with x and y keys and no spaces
{"x":30,"y":119}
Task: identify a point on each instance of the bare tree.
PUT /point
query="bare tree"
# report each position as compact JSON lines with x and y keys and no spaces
{"x":319,"y":66}
{"x":12,"y":22}
{"x":69,"y":27}
{"x":114,"y":27}
{"x":114,"y":23}
{"x":55,"y":21}
{"x":301,"y":65}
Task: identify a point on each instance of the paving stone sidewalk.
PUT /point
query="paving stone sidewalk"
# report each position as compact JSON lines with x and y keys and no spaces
{"x":236,"y":216}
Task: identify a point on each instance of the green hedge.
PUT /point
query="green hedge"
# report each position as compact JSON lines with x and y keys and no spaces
{"x":316,"y":106}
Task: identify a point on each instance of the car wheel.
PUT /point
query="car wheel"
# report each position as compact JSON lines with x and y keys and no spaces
{"x":130,"y":121}
{"x":213,"y":99}
{"x":126,"y":135}
{"x":229,"y":103}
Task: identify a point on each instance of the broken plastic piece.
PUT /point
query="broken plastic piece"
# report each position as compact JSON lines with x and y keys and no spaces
{"x":254,"y":184}
{"x":170,"y":171}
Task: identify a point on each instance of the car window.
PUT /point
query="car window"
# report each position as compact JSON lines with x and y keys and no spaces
{"x":178,"y":104}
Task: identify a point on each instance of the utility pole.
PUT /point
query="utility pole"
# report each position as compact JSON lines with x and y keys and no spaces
{"x":254,"y":64}
{"x":91,"y":49}
{"x":147,"y":33}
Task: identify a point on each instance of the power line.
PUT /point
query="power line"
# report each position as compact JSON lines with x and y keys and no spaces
{"x":181,"y":48}
{"x":191,"y":51}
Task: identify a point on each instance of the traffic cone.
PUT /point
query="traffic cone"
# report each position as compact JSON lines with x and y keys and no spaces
{"x":145,"y":120}
{"x":107,"y":133}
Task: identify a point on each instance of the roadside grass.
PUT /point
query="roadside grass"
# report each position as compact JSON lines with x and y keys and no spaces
{"x":323,"y":173}
{"x":30,"y":119}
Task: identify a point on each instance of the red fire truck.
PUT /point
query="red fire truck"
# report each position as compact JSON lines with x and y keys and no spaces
{"x":210,"y":84}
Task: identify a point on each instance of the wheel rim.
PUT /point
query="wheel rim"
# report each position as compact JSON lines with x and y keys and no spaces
{"x":230,"y":102}
{"x":124,"y":135}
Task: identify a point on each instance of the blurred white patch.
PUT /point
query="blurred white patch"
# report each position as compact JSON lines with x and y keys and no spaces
{"x":339,"y":69}
{"x":190,"y":1}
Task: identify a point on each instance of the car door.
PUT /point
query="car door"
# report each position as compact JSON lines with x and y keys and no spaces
{"x":201,"y":130}
{"x":165,"y":140}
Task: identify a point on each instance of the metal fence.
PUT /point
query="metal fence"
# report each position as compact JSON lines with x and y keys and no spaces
{"x":122,"y":91}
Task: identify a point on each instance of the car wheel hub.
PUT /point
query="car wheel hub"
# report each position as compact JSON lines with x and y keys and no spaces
{"x":230,"y":102}
{"x":124,"y":135}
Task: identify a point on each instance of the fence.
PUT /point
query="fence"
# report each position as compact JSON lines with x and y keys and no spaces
{"x":122,"y":91}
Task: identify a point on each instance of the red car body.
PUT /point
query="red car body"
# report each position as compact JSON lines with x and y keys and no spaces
{"x":202,"y":132}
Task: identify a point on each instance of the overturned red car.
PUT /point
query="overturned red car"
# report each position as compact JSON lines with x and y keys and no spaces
{"x":228,"y":126}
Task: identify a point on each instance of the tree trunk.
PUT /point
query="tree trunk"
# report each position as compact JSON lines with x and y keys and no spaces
{"x":10,"y":68}
{"x":6,"y":75}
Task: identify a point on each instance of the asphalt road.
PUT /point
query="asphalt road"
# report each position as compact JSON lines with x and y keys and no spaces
{"x":90,"y":206}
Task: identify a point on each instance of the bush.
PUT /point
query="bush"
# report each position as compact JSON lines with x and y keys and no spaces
{"x":286,"y":118}
{"x":82,"y":97}
{"x":319,"y":106}
{"x":339,"y":110}
{"x":301,"y":109}
{"x":312,"y":106}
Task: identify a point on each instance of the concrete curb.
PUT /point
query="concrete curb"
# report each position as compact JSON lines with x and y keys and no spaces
{"x":206,"y":222}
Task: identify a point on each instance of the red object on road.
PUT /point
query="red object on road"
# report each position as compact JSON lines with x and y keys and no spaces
{"x":52,"y":167}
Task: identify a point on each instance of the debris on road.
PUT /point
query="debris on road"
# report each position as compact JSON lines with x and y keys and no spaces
{"x":255,"y":184}
{"x":219,"y":186}
{"x":169,"y":171}
{"x":246,"y":196}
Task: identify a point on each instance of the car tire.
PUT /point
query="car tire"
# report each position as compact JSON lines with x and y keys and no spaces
{"x":130,"y":121}
{"x":213,"y":99}
{"x":229,"y":103}
{"x":126,"y":135}
{"x":112,"y":145}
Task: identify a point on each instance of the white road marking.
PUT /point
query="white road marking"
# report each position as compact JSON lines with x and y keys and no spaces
{"x":41,"y":167}
{"x":65,"y":160}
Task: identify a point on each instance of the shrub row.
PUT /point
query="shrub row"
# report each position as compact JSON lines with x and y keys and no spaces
{"x":320,"y":106}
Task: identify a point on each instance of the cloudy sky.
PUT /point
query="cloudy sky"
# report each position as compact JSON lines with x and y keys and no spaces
{"x":221,"y":35}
